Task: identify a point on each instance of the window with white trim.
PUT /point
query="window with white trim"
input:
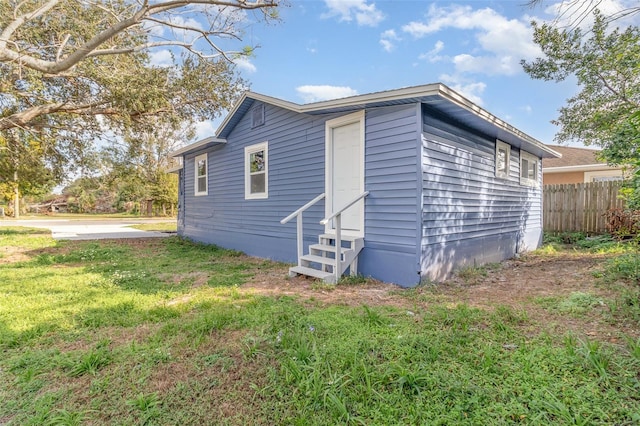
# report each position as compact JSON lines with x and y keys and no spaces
{"x":528,"y":169}
{"x":201,"y":185}
{"x":256,"y":171}
{"x":503,"y":159}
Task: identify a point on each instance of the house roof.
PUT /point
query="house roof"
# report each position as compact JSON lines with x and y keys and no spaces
{"x":573,"y":159}
{"x":196,"y":146}
{"x":437,"y":95}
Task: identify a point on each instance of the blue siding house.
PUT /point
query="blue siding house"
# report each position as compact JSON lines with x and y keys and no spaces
{"x":404,"y":186}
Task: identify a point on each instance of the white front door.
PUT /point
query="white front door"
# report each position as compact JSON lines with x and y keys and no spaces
{"x":345,"y":171}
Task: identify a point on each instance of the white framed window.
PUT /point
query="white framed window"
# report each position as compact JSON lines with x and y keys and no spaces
{"x":529,"y":169}
{"x":201,"y":184}
{"x":503,"y":159}
{"x":256,"y":171}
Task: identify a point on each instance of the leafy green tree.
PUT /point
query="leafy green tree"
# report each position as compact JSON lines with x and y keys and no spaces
{"x":138,"y":167}
{"x":75,"y":71}
{"x":28,"y":167}
{"x":606,"y":65}
{"x":607,"y":68}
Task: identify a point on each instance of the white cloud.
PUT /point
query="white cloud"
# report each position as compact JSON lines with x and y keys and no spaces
{"x":527,"y":109}
{"x":472,"y":90}
{"x":432,"y":55}
{"x":311,"y":93}
{"x":204,"y":129}
{"x":387,"y":39}
{"x":348,"y":10}
{"x":245,"y":65}
{"x":503,"y":42}
{"x":161,"y":58}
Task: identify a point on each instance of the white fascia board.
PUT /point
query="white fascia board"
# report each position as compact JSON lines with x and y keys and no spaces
{"x":390,"y":95}
{"x":174,"y":169}
{"x":196,"y":145}
{"x":580,"y":168}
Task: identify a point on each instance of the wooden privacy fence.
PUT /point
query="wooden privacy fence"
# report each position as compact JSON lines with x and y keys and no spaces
{"x":579,"y":207}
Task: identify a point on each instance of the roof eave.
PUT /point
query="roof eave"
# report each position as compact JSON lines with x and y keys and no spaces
{"x":579,"y":168}
{"x":197,"y":146}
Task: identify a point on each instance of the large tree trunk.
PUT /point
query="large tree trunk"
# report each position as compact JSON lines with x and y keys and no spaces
{"x":149,"y":208}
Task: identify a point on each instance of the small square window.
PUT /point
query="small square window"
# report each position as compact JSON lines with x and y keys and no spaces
{"x":528,"y":169}
{"x":256,"y":168}
{"x":257,"y":116}
{"x":201,"y":184}
{"x":503,"y":159}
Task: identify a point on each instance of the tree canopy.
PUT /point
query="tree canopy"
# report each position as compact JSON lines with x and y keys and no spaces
{"x":64,"y":60}
{"x":606,"y":65}
{"x":76,"y":71}
{"x":606,"y":110}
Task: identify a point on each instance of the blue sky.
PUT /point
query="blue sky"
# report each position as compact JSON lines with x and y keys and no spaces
{"x":326,"y":49}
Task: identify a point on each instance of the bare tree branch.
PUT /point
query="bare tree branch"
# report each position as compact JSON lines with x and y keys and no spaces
{"x":87,"y":49}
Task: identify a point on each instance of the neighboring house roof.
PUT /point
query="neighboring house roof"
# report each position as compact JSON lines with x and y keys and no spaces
{"x":437,"y":95}
{"x":574,"y":160}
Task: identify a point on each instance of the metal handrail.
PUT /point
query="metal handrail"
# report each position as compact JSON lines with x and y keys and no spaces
{"x":301,"y":209}
{"x":355,"y":200}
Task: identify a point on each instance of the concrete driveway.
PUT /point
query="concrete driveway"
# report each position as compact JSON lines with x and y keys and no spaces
{"x":91,"y":229}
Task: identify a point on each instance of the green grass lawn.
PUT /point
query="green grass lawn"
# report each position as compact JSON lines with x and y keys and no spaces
{"x":164,"y":332}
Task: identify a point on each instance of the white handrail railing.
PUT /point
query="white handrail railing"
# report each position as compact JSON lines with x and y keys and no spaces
{"x":337,"y":269}
{"x":352,"y":202}
{"x":303,"y":208}
{"x":298,"y":214}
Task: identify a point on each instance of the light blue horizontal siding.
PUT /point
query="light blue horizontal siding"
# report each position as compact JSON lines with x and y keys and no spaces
{"x":296,"y":167}
{"x":295,"y":173}
{"x":392,"y":209}
{"x":470,"y":216}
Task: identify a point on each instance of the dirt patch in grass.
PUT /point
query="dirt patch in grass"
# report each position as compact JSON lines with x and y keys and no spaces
{"x":518,"y":284}
{"x":13,"y":254}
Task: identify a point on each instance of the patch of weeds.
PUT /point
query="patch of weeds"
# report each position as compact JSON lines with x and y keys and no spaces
{"x":624,"y":267}
{"x":200,"y":327}
{"x":563,"y":412}
{"x":409,"y":380}
{"x":92,"y":361}
{"x":63,"y":417}
{"x":576,"y":303}
{"x":253,"y":346}
{"x":633,"y":345}
{"x":474,"y":274}
{"x":353,"y":280}
{"x":579,"y":303}
{"x":626,"y":305}
{"x":319,"y":285}
{"x":149,"y":406}
{"x":372,"y":317}
{"x":594,"y":357}
{"x":601,"y":244}
{"x":219,"y":359}
{"x":94,"y":252}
